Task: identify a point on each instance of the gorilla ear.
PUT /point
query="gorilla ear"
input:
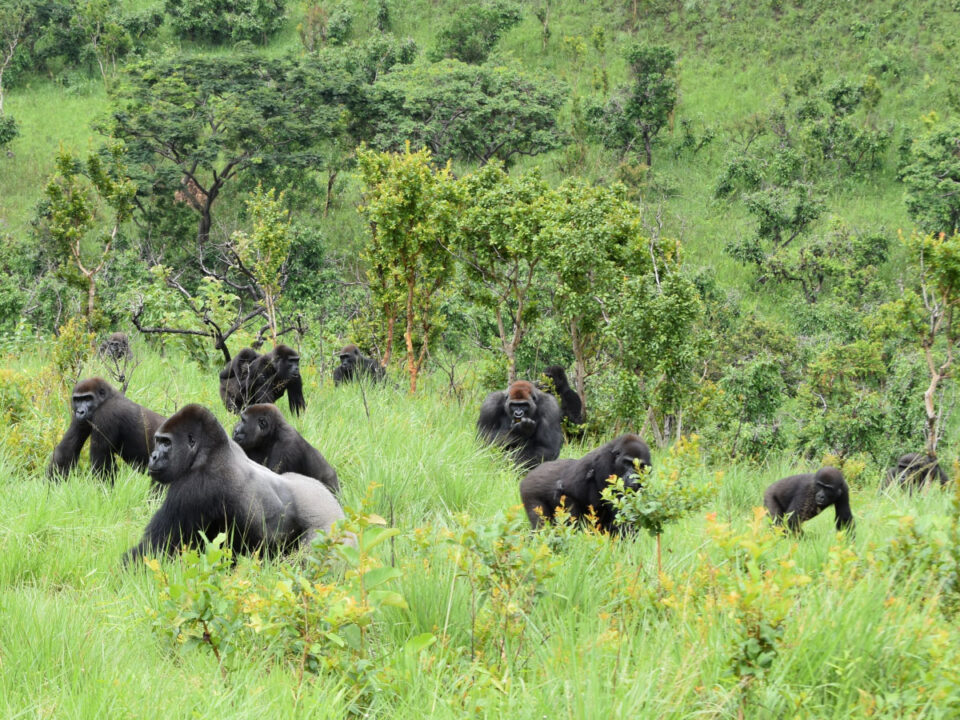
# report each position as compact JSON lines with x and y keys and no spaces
{"x":191,"y":440}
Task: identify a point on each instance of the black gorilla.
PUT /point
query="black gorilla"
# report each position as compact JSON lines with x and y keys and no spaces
{"x":578,"y":483}
{"x":251,"y":379}
{"x":524,"y":421}
{"x":916,"y":470}
{"x":115,"y":426}
{"x":116,"y":346}
{"x":212,"y":487}
{"x":354,"y":365}
{"x":268,"y":439}
{"x":570,"y":404}
{"x":801,"y":497}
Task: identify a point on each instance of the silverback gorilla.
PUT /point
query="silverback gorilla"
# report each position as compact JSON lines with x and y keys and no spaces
{"x":251,"y":378}
{"x":914,"y":470}
{"x":212,"y":487}
{"x":804,"y":496}
{"x":578,"y":483}
{"x":354,"y":365}
{"x":570,"y":404}
{"x":115,"y":426}
{"x":267,"y":438}
{"x":524,"y":421}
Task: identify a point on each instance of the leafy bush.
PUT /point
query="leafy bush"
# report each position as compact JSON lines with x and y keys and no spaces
{"x":470,"y":33}
{"x":221,"y":20}
{"x":8,"y":129}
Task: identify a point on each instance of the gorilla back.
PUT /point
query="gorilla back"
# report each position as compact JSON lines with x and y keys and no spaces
{"x":115,"y":426}
{"x":213,"y":487}
{"x":524,"y":421}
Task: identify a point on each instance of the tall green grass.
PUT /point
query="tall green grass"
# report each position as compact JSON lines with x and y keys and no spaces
{"x":76,"y":638}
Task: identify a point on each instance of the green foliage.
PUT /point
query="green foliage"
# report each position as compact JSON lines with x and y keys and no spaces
{"x":265,"y":251}
{"x":314,"y":617}
{"x":410,"y":207}
{"x":470,"y":34}
{"x":666,"y":495}
{"x":932,"y":178}
{"x":756,"y":589}
{"x":506,"y":571}
{"x":471,"y":112}
{"x":841,"y":403}
{"x":73,"y":346}
{"x":639,"y":111}
{"x":8,"y":129}
{"x":221,"y":20}
{"x":500,"y":239}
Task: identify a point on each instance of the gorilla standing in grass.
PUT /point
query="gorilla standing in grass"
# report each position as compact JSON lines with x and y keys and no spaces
{"x":213,"y":487}
{"x":799,"y":498}
{"x":524,"y":421}
{"x":114,"y":424}
{"x":251,"y":378}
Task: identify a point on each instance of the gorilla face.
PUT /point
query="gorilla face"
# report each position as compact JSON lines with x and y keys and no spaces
{"x":253,"y":429}
{"x":520,"y":406}
{"x":829,"y":488}
{"x":289,"y":367}
{"x":348,"y":358}
{"x":86,"y":402}
{"x":174,"y":451}
{"x":628,"y":457}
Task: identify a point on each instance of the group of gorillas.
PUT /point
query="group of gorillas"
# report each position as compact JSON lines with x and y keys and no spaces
{"x":269,"y":489}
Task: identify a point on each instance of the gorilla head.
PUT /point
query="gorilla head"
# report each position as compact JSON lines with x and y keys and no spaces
{"x":116,"y":346}
{"x":578,"y":483}
{"x":354,"y":365}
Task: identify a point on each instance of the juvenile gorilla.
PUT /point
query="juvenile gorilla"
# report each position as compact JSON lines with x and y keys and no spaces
{"x":354,"y":365}
{"x":570,"y":404}
{"x":212,"y":487}
{"x":524,"y":421}
{"x":578,"y":483}
{"x":801,"y":497}
{"x":267,"y":438}
{"x":251,"y":378}
{"x":115,"y":426}
{"x":916,"y":470}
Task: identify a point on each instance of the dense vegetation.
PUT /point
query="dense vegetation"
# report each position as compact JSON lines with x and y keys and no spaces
{"x":732,"y":222}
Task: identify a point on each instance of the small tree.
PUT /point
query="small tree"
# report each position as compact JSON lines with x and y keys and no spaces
{"x":665,"y":495}
{"x":472,"y":31}
{"x":86,"y":207}
{"x":927,"y":315}
{"x":932,"y":178}
{"x":263,"y":253}
{"x":639,"y":111}
{"x":500,"y":242}
{"x":410,"y":208}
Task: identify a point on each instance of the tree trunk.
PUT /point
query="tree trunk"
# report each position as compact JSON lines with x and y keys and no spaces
{"x":648,"y":147}
{"x":928,"y":403}
{"x":91,"y":294}
{"x":509,"y":348}
{"x":206,"y":222}
{"x":391,"y":313}
{"x":331,"y":179}
{"x":579,"y":365}
{"x":408,"y":337}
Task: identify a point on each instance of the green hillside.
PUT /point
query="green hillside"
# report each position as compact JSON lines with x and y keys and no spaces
{"x":464,"y":191}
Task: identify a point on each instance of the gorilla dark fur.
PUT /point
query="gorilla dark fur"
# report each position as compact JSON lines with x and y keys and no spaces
{"x":570,"y":404}
{"x":212,"y":487}
{"x":355,"y":365}
{"x":801,"y":497}
{"x":916,"y":470}
{"x":267,"y":438}
{"x":524,"y":421}
{"x":578,"y":483}
{"x":251,"y":379}
{"x":115,"y":426}
{"x":116,"y":346}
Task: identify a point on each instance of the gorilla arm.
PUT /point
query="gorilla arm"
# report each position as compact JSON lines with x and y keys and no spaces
{"x":67,"y":452}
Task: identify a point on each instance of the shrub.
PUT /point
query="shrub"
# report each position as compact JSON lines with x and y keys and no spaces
{"x":221,"y":20}
{"x":470,"y":34}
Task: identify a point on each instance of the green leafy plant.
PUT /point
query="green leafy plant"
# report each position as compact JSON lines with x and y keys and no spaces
{"x":664,"y":496}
